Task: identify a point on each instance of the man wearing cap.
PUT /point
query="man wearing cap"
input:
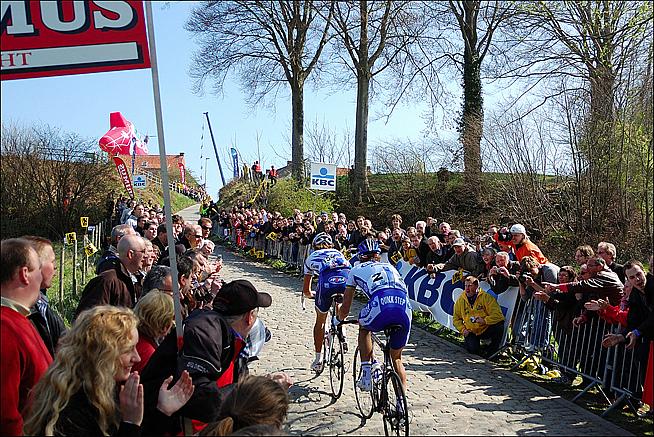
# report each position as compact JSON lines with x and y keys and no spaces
{"x":465,"y":257}
{"x":522,"y":244}
{"x":212,"y":352}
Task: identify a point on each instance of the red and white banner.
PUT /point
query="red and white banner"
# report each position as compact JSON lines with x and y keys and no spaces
{"x":182,"y":173}
{"x":124,"y":175}
{"x":55,"y":38}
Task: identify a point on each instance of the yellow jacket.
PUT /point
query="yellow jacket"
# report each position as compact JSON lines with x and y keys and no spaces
{"x":485,"y":306}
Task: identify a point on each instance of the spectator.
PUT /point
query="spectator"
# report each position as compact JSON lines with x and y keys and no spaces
{"x":255,"y":400}
{"x":608,"y":252}
{"x":24,"y":357}
{"x":161,"y":240}
{"x":47,"y":322}
{"x":127,"y":212}
{"x":140,"y":224}
{"x":137,"y":213}
{"x":421,"y":227}
{"x":116,"y":286}
{"x":523,"y":245}
{"x":206,"y":225}
{"x":77,"y":395}
{"x":409,"y":253}
{"x":436,"y":254}
{"x":208,"y":335}
{"x":583,"y":254}
{"x":178,"y":226}
{"x":273,"y":175}
{"x":156,"y":314}
{"x":159,"y":278}
{"x":464,"y":258}
{"x":477,"y":316}
{"x":192,"y":236}
{"x":109,"y":259}
{"x":422,"y":248}
{"x":444,"y":229}
{"x":503,"y":275}
{"x":150,"y":230}
{"x":488,"y":258}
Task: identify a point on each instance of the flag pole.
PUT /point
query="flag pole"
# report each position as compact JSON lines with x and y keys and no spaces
{"x":165,"y":185}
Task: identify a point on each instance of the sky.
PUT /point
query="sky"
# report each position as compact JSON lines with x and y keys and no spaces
{"x":82,"y":103}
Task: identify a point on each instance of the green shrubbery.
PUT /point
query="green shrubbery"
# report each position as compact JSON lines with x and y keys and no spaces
{"x":285,"y":196}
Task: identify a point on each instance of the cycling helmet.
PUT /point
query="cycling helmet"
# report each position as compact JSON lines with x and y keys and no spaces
{"x":322,"y":238}
{"x":368,"y":247}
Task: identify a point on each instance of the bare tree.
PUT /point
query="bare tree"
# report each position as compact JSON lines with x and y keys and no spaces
{"x":267,"y":45}
{"x":324,"y":144}
{"x":371,"y":37}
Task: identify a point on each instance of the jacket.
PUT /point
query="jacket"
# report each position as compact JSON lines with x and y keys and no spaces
{"x":469,"y":261}
{"x":641,"y":309}
{"x":485,"y":306}
{"x":605,"y":284}
{"x":48,"y":323}
{"x":526,"y":248}
{"x":112,"y":287}
{"x":211,"y":353}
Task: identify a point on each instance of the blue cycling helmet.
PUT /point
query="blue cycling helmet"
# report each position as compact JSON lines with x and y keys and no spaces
{"x":322,"y":238}
{"x":368,"y":247}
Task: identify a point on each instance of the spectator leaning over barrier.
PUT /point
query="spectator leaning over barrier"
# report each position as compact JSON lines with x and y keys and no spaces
{"x":82,"y":393}
{"x":608,"y":252}
{"x":256,"y":400}
{"x":212,"y":353}
{"x":47,"y":322}
{"x":116,"y":286}
{"x":109,"y":259}
{"x":23,"y":357}
{"x":504,"y":274}
{"x":156,"y":315}
{"x":477,"y":316}
{"x":409,"y":253}
{"x":522,"y":244}
{"x":603,"y":283}
{"x":436,"y":254}
{"x":488,"y":259}
{"x":464,"y":258}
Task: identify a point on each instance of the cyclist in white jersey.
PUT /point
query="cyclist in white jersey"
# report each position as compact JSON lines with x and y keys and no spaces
{"x":332,"y":269}
{"x":388,"y":305}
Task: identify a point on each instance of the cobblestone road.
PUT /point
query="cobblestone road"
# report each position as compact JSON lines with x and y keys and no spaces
{"x":450,"y":392}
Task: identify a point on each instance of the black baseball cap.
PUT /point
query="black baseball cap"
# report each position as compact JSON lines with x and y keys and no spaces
{"x":239,"y":297}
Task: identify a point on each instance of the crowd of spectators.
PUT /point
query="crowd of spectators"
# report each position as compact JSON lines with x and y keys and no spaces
{"x":559,"y":298}
{"x":118,"y":370}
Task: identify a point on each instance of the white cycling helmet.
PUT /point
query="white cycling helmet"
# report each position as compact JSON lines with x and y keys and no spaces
{"x":518,"y":229}
{"x":322,"y":238}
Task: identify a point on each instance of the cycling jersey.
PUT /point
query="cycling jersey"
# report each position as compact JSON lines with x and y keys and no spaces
{"x":388,"y":304}
{"x":373,"y":276}
{"x":323,"y":259}
{"x":332,"y":269}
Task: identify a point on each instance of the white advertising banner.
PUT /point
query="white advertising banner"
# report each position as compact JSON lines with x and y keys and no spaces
{"x":323,"y":176}
{"x":437,"y":295}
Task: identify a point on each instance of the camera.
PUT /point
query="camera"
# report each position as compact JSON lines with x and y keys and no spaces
{"x":504,"y":236}
{"x":473,"y":319}
{"x":523,"y":277}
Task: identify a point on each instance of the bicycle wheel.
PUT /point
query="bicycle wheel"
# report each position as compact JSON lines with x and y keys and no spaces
{"x":336,"y":367}
{"x":364,"y":399}
{"x":395,"y":411}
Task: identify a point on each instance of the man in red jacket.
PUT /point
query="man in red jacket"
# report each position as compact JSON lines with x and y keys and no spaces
{"x":23,"y":356}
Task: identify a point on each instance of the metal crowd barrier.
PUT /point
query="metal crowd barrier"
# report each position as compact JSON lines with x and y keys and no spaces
{"x":577,"y":351}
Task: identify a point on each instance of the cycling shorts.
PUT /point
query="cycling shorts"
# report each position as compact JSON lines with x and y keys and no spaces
{"x":330,"y":282}
{"x":388,"y":307}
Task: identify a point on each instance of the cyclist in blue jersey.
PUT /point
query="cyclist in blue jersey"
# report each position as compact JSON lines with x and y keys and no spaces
{"x":332,"y":269}
{"x":388,"y":305}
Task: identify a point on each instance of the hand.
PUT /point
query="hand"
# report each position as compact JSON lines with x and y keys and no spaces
{"x":596,"y":305}
{"x":430,"y":267}
{"x":549,"y":288}
{"x":542,"y":296}
{"x":610,"y":340}
{"x":172,"y":400}
{"x":631,"y":338}
{"x":465,"y":332}
{"x":131,"y":400}
{"x":504,"y":271}
{"x":480,"y":320}
{"x":529,"y":281}
{"x":282,"y":378}
{"x":578,"y":321}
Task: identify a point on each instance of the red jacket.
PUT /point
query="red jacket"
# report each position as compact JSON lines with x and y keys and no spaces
{"x":23,"y":360}
{"x":526,"y":248}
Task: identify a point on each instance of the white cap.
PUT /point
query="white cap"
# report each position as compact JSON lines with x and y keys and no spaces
{"x":518,"y":229}
{"x":459,"y":242}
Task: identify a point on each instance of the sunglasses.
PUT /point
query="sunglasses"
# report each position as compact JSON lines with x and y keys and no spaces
{"x":198,"y":236}
{"x":207,"y":228}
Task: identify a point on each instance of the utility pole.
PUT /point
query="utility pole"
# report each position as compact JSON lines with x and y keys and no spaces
{"x":220,"y":167}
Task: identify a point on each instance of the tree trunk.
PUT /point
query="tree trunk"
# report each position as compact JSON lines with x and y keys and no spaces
{"x":297,"y":103}
{"x":472,"y":121}
{"x":360,"y":186}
